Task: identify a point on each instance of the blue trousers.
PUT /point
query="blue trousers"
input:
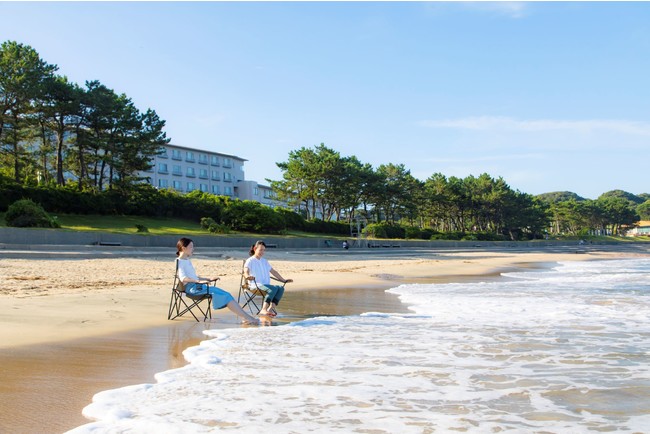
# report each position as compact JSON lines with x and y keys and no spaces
{"x":274,"y":293}
{"x":220,"y":298}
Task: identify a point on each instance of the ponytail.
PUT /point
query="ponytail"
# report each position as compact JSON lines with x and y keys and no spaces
{"x":183,"y":242}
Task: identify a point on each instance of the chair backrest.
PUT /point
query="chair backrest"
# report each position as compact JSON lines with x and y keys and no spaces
{"x":179,"y":287}
{"x":178,"y":284}
{"x":243,"y":283}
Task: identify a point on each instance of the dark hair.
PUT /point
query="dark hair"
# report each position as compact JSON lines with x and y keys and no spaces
{"x":251,"y":252}
{"x":183,"y":242}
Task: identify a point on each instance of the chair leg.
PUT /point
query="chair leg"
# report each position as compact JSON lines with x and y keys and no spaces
{"x":250,"y":302}
{"x":179,"y":307}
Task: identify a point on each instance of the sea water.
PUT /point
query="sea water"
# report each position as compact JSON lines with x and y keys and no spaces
{"x":562,"y":350}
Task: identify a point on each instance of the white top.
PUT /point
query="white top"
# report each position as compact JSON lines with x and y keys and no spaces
{"x":186,"y":269}
{"x":260,"y":269}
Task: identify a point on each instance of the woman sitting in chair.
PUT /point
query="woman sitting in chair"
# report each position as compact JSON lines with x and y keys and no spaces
{"x":259,"y":270}
{"x":196,"y":285}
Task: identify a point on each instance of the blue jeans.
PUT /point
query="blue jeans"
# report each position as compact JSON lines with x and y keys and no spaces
{"x":220,"y":298}
{"x":274,"y":293}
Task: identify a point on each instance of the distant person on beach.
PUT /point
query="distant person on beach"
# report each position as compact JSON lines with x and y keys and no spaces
{"x":258,"y":269}
{"x":196,"y":285}
{"x":346,"y":245}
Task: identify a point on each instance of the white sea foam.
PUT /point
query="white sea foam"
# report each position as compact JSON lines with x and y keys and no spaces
{"x":565,"y":350}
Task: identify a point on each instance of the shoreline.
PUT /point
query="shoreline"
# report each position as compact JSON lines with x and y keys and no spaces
{"x":60,"y":376}
{"x":83,"y":293}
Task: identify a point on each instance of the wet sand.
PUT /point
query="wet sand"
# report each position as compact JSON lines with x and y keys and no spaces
{"x":45,"y":387}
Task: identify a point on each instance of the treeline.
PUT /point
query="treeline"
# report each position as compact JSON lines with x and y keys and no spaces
{"x":611,"y":213}
{"x":321,"y":182}
{"x":52,"y":130}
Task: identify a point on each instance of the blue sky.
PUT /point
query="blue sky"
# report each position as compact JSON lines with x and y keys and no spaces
{"x":549,"y":96}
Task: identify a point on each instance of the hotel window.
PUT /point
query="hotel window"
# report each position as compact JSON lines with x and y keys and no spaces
{"x":177,"y":170}
{"x":227,"y":162}
{"x":203,"y":173}
{"x":256,"y":191}
{"x":214,"y":160}
{"x":216,"y":189}
{"x":190,"y":172}
{"x":203,"y":159}
{"x":163,"y":154}
{"x":162,"y":168}
{"x":227,"y":177}
{"x":189,"y":156}
{"x":163,"y":183}
{"x":177,"y":185}
{"x":203,"y":187}
{"x":176,"y":154}
{"x":215,"y":175}
{"x":190,"y":186}
{"x":227,"y":191}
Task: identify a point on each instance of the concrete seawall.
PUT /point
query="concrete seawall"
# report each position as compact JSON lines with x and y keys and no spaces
{"x":24,"y":238}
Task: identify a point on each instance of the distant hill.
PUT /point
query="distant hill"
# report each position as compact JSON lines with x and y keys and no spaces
{"x":562,"y":196}
{"x":636,"y":199}
{"x":559,"y":196}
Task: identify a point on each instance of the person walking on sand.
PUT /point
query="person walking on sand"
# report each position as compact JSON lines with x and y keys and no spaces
{"x":196,"y":285}
{"x":258,"y":269}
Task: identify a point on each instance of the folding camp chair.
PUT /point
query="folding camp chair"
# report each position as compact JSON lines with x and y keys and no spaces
{"x":248,"y":292}
{"x":182,"y":302}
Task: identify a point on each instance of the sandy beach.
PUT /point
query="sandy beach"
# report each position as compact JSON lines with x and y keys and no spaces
{"x":75,"y":323}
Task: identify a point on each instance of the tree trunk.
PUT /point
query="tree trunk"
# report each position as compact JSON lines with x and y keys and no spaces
{"x":59,"y":151}
{"x":15,"y":146}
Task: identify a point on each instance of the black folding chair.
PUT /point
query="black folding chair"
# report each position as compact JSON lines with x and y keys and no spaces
{"x":248,"y":292}
{"x":182,"y":302}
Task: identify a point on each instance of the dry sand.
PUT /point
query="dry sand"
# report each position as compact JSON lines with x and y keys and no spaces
{"x":75,"y":323}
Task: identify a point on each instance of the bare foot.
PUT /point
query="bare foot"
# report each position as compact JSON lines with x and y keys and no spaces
{"x":251,"y":321}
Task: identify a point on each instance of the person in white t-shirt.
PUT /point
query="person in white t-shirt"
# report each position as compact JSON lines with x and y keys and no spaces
{"x":258,"y":270}
{"x":196,"y":285}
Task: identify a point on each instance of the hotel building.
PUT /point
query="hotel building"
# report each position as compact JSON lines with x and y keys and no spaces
{"x":188,"y":169}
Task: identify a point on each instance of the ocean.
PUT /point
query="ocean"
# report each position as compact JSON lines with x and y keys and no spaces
{"x":563,"y":349}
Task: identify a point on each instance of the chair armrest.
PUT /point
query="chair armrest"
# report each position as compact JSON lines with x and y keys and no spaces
{"x":283,"y":283}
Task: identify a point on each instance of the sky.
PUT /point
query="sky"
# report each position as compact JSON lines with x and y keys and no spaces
{"x":548,"y":96}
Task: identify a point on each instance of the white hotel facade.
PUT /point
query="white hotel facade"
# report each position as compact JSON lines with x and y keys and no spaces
{"x":189,"y":169}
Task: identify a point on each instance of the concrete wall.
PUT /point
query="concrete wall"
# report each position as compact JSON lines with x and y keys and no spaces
{"x":26,"y":237}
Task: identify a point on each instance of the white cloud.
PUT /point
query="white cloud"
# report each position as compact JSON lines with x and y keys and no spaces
{"x":500,"y":123}
{"x":509,"y":9}
{"x":513,"y":9}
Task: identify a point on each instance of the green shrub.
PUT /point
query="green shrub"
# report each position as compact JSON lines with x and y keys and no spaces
{"x":251,"y":216}
{"x":292,"y":220}
{"x":384,"y":230}
{"x":453,"y":235}
{"x":427,"y":233}
{"x":412,"y":232}
{"x":489,"y":236}
{"x":206,"y":222}
{"x":216,"y":228}
{"x":26,"y":213}
{"x":327,"y":227}
{"x":142,"y":228}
